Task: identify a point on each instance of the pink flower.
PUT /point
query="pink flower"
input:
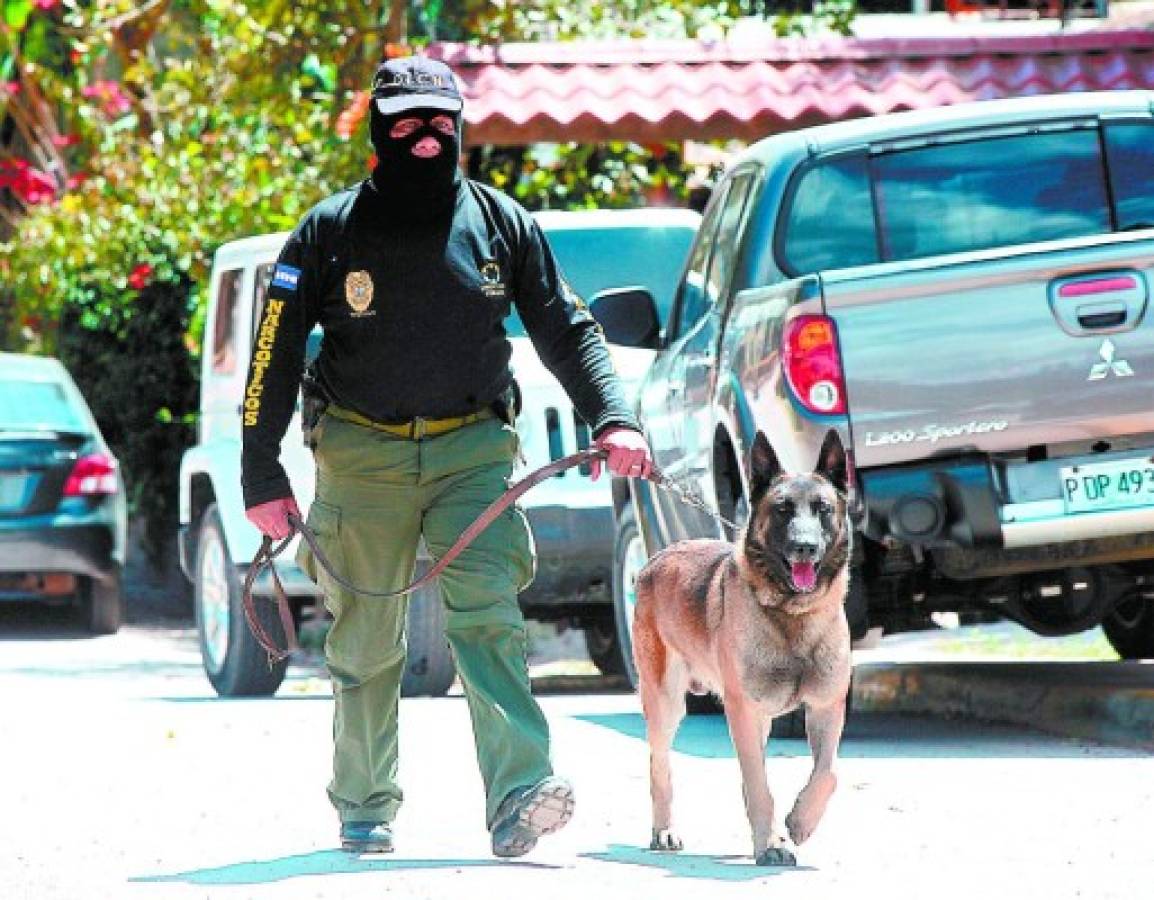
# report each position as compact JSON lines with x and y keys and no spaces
{"x":45,"y":4}
{"x":65,"y":140}
{"x":111,"y":97}
{"x":11,"y":88}
{"x":138,"y":280}
{"x":76,"y":179}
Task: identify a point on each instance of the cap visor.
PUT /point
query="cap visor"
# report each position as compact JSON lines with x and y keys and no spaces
{"x":402,"y":102}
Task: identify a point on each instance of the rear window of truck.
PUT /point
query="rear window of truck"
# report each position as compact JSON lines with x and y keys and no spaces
{"x":970,"y":195}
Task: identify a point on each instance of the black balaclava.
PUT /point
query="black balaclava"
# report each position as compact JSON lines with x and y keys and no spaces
{"x":415,"y":87}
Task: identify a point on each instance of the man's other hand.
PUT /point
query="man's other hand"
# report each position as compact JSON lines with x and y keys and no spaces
{"x":272,"y":517}
{"x":628,"y":451}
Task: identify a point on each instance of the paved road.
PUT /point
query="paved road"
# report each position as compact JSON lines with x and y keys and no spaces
{"x":124,"y":778}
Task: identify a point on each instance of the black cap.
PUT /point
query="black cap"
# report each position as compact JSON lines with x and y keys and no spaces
{"x":415,"y":82}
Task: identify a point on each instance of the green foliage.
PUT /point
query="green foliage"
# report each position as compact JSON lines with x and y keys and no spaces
{"x":585,"y":176}
{"x":140,"y":381}
{"x":486,"y":21}
{"x":222,"y":129}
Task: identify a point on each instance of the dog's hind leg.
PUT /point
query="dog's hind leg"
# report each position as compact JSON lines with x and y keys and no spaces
{"x":824,"y":727}
{"x":663,"y":681}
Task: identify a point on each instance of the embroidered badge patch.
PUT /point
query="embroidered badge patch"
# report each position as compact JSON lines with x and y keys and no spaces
{"x":285,"y":277}
{"x":491,"y":283}
{"x":359,"y":293}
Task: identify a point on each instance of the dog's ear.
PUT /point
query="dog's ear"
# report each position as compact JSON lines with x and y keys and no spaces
{"x":832,"y":463}
{"x":763,"y":466}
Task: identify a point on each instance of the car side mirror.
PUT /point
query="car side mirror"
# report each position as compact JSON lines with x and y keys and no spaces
{"x":628,"y":317}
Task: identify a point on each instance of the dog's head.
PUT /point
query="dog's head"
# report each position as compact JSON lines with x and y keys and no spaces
{"x":798,"y":535}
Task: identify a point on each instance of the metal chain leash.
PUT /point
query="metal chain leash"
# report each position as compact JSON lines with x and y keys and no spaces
{"x":688,"y":497}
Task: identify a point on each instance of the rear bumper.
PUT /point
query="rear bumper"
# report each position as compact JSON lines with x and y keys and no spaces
{"x":72,"y":549}
{"x":980,"y":516}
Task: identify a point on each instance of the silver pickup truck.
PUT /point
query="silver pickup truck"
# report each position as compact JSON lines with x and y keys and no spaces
{"x":959,"y":298}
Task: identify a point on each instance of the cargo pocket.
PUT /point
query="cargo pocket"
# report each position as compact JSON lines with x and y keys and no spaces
{"x":324,"y":520}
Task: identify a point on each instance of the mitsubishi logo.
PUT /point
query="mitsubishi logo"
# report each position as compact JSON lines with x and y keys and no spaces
{"x":1109,"y":364}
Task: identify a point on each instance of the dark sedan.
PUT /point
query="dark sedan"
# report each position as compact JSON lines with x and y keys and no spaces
{"x":62,"y":504}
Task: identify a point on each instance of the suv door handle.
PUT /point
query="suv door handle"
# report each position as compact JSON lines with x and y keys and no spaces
{"x":1098,"y":302}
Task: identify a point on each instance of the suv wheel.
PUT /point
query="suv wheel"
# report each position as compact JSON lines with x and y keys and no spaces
{"x":429,"y":668}
{"x":1129,"y":627}
{"x":235,"y":663}
{"x":628,"y":559}
{"x":604,"y":645}
{"x":102,"y":604}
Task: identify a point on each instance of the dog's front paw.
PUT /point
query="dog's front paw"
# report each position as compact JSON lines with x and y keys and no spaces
{"x":664,"y":839}
{"x":776,"y":856}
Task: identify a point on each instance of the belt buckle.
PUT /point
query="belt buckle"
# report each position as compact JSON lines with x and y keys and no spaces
{"x":419,"y":428}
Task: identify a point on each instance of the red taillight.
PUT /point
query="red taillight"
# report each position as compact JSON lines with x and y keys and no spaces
{"x":92,"y":476}
{"x":812,"y":364}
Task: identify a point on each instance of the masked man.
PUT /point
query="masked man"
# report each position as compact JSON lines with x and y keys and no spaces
{"x":411,"y":274}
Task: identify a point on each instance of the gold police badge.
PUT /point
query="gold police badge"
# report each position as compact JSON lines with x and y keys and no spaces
{"x":359,"y":292}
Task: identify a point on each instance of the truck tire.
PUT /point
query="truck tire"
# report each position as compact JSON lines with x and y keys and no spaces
{"x":236,"y":665}
{"x":102,"y":604}
{"x":1129,"y":627}
{"x":628,"y":559}
{"x":604,"y":645}
{"x":429,"y":668}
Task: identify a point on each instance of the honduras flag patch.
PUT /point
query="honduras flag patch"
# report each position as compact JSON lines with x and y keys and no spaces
{"x":285,"y":277}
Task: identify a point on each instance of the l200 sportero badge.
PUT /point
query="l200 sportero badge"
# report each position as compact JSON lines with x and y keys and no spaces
{"x":932,"y":433}
{"x":1109,"y":364}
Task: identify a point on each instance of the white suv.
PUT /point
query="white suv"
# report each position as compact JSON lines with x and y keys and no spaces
{"x":572,"y":517}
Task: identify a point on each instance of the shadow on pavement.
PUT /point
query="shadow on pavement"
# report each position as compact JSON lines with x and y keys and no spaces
{"x":873,"y":736}
{"x":691,"y":865}
{"x":322,"y":862}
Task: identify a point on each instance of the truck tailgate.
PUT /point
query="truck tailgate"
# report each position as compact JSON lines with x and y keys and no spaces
{"x":997,"y":350}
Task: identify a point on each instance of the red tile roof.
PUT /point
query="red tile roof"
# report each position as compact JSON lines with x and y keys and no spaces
{"x":672,"y":90}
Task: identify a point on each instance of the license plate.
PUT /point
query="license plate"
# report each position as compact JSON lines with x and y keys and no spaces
{"x":12,"y":491}
{"x":1119,"y":484}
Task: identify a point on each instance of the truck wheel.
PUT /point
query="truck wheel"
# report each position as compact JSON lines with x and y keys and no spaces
{"x":857,"y":605}
{"x":604,"y":646}
{"x":235,"y":663}
{"x":1129,"y":627}
{"x":429,"y":669}
{"x":628,"y":560}
{"x":102,"y":604}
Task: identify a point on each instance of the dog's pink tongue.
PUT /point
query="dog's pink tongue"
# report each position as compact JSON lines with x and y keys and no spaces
{"x":804,"y":575}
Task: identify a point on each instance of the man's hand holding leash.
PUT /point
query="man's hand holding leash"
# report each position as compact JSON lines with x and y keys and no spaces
{"x":272,"y":518}
{"x":629,"y":455}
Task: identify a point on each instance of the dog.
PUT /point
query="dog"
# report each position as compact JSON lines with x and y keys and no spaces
{"x":761,"y":623}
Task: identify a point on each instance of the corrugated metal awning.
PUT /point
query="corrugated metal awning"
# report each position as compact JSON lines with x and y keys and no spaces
{"x":650,"y":91}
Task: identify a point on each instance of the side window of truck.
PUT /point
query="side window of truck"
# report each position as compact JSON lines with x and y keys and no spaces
{"x":224,"y":324}
{"x":1130,"y":158}
{"x":691,"y":298}
{"x":728,"y":240}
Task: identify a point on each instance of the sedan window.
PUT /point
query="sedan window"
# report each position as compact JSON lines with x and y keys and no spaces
{"x":36,"y":406}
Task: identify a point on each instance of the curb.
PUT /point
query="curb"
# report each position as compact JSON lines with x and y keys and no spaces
{"x":1107,"y":702}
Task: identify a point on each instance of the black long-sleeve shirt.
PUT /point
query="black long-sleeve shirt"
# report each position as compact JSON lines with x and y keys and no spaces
{"x":412,"y":311}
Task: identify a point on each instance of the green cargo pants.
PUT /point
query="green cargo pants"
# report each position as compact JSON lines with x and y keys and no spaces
{"x":376,"y":496}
